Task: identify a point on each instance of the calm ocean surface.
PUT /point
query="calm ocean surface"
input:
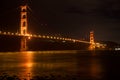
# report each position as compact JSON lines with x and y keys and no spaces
{"x":62,"y":65}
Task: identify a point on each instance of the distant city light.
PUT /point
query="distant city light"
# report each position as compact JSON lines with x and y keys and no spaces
{"x":117,"y":49}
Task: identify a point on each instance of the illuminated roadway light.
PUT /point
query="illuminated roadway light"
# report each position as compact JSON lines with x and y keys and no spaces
{"x":4,"y":33}
{"x":27,"y":34}
{"x":29,"y":37}
{"x":12,"y":33}
{"x":8,"y":32}
{"x":0,"y":32}
{"x":39,"y":36}
{"x":70,"y":39}
{"x":65,"y":38}
{"x":16,"y":33}
{"x":44,"y":36}
{"x":54,"y":37}
{"x":63,"y":41}
{"x":73,"y":40}
{"x":48,"y":37}
{"x":58,"y":38}
{"x":76,"y":40}
{"x":34,"y":35}
{"x":51,"y":37}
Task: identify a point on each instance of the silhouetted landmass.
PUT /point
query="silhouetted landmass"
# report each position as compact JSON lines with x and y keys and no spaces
{"x":110,"y":44}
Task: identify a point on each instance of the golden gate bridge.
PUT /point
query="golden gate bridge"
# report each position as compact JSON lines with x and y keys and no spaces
{"x":23,"y":32}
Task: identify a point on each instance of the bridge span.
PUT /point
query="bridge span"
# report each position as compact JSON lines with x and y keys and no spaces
{"x":29,"y":36}
{"x":39,"y":42}
{"x":25,"y":36}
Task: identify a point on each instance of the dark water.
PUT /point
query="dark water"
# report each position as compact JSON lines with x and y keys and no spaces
{"x":62,"y":65}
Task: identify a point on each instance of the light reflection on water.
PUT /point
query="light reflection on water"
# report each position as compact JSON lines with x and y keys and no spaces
{"x":96,"y":68}
{"x":30,"y":63}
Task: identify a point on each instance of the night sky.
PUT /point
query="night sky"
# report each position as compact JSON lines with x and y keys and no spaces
{"x":69,"y":18}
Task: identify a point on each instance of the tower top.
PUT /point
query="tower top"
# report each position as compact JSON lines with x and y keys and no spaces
{"x":24,"y":2}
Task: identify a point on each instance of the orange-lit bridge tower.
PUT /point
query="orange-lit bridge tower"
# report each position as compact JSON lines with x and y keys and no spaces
{"x":23,"y":24}
{"x":23,"y":27}
{"x":92,"y":43}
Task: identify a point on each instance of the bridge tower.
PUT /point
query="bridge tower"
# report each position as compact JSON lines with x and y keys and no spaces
{"x":23,"y":27}
{"x":92,"y":43}
{"x":23,"y":24}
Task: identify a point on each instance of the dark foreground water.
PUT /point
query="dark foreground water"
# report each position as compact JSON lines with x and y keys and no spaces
{"x":60,"y":65}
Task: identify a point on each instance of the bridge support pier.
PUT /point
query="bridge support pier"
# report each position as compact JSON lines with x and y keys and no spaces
{"x":23,"y":46}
